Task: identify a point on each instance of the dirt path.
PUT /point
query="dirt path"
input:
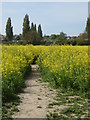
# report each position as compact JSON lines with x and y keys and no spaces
{"x":36,"y":97}
{"x":38,"y":100}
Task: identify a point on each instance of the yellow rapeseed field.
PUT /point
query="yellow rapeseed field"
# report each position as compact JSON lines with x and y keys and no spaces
{"x":64,"y":66}
{"x":15,"y":62}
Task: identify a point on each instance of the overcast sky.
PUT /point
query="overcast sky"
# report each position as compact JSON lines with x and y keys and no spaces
{"x":89,"y":8}
{"x":69,"y":17}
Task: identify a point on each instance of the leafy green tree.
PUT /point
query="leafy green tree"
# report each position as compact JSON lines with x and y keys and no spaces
{"x":26,"y":26}
{"x":82,"y":39}
{"x":9,"y":30}
{"x":63,"y":34}
{"x":53,"y":36}
{"x":60,"y":40}
{"x":32,"y":37}
{"x":40,"y":30}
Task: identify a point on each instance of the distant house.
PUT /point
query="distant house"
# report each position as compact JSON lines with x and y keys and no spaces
{"x":2,"y":38}
{"x":51,"y":41}
{"x":86,"y":39}
{"x":17,"y":37}
{"x":74,"y":37}
{"x":68,"y":38}
{"x":13,"y":40}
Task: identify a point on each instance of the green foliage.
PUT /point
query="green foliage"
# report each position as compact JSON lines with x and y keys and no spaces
{"x":39,"y":30}
{"x":14,"y":69}
{"x":63,"y":34}
{"x":82,"y":39}
{"x":60,"y":39}
{"x":88,"y":28}
{"x":72,"y":74}
{"x":33,"y":27}
{"x":88,"y":23}
{"x":53,"y":36}
{"x":26,"y":26}
{"x":9,"y":30}
{"x":64,"y":67}
{"x":32,"y":37}
{"x":8,"y":109}
{"x":74,"y":105}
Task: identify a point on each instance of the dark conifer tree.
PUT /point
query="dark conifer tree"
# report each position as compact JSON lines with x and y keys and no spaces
{"x":32,"y":26}
{"x":26,"y":26}
{"x":39,"y":30}
{"x":9,"y":30}
{"x":35,"y":27}
{"x":88,"y":28}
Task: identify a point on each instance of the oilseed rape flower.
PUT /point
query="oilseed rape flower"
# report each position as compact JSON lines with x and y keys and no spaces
{"x":65,"y":66}
{"x":15,"y":63}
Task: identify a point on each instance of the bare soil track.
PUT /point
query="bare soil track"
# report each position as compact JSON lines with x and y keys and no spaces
{"x":39,"y":100}
{"x":35,"y":98}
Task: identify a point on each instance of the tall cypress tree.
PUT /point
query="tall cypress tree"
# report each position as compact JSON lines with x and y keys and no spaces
{"x":32,"y":26}
{"x":9,"y":30}
{"x":39,"y":30}
{"x":35,"y":27}
{"x":88,"y":28}
{"x":26,"y":26}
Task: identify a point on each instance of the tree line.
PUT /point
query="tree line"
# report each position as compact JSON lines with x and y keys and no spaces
{"x":63,"y":39}
{"x":30,"y":34}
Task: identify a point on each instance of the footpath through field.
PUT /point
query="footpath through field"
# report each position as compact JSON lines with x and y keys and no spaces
{"x":35,"y":98}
